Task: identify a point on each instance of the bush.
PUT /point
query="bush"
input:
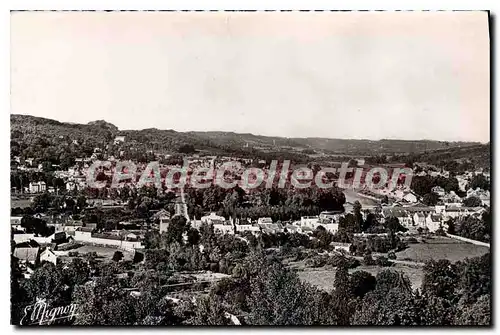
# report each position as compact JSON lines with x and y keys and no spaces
{"x":117,"y":256}
{"x":353,"y":263}
{"x":383,"y":261}
{"x":411,"y":240}
{"x":350,"y":262}
{"x":368,"y":260}
{"x":316,"y":261}
{"x":391,"y":255}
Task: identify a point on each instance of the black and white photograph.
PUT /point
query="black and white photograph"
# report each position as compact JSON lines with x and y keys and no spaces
{"x":250,"y":168}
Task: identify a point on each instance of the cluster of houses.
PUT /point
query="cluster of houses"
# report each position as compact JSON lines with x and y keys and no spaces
{"x":306,"y":225}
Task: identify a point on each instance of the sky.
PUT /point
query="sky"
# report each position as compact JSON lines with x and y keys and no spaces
{"x":359,"y":75}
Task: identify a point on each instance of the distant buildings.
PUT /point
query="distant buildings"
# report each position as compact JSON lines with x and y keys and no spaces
{"x":119,"y":139}
{"x":37,"y":187}
{"x":164,"y":218}
{"x":48,"y":256}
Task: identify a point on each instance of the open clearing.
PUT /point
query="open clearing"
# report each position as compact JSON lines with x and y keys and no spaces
{"x":435,"y":248}
{"x":22,"y":203}
{"x":323,"y":278}
{"x":103,"y":253}
{"x":441,"y":248}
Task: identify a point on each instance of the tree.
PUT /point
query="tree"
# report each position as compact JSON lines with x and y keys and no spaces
{"x":371,"y":221}
{"x":208,"y":311}
{"x":193,"y":236}
{"x":430,"y":199}
{"x":342,"y":295}
{"x":117,"y":256}
{"x":102,"y":302}
{"x":278,"y":297}
{"x":361,"y":282}
{"x":391,"y":303}
{"x":46,"y":282}
{"x":477,"y":314}
{"x":472,"y":202}
{"x":186,"y":149}
{"x":393,"y":226}
{"x":76,"y":272}
{"x":479,"y":181}
{"x":440,"y":279}
{"x":175,"y":229}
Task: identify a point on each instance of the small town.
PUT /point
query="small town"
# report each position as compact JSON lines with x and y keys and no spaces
{"x":250,"y":168}
{"x":190,"y":241}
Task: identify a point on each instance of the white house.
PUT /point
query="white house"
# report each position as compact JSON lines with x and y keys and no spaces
{"x":463,"y":180}
{"x":331,"y":227}
{"x":48,"y":256}
{"x":419,"y":219}
{"x":164,"y":218}
{"x":72,"y":185}
{"x":119,"y":139}
{"x":452,"y":200}
{"x":433,"y":222}
{"x":438,"y":190}
{"x":38,"y":187}
{"x":293,"y":229}
{"x":213,"y":219}
{"x":221,"y":228}
{"x":240,"y":228}
{"x":264,"y":221}
{"x":310,"y":221}
{"x":15,"y":223}
{"x":410,"y":197}
{"x":440,"y":208}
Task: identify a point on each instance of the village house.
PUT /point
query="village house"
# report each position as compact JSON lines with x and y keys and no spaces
{"x":410,"y":197}
{"x":15,"y":223}
{"x":223,"y":228}
{"x":27,"y":252}
{"x":254,"y":229}
{"x":405,"y":219}
{"x":330,"y":227}
{"x":438,"y":190}
{"x":72,"y":225}
{"x":419,"y":219}
{"x":119,"y":139}
{"x":293,"y":229}
{"x":433,"y":222}
{"x":48,"y":256}
{"x":264,"y":221}
{"x":451,"y":200}
{"x":163,"y":217}
{"x":482,"y":195}
{"x":310,"y":222}
{"x":271,"y":228}
{"x":333,"y":216}
{"x":37,"y":187}
{"x":213,"y":218}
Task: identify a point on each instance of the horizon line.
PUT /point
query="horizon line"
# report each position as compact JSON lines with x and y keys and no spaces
{"x":253,"y":134}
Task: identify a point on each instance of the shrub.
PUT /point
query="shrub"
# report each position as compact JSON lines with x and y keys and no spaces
{"x":368,"y":260}
{"x":383,"y":261}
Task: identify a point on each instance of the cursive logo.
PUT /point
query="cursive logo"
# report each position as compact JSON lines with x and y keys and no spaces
{"x":40,"y":313}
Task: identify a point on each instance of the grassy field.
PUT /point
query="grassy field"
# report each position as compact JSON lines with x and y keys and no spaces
{"x":441,"y":248}
{"x":435,"y":248}
{"x":323,"y":278}
{"x":22,"y":203}
{"x":103,"y":253}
